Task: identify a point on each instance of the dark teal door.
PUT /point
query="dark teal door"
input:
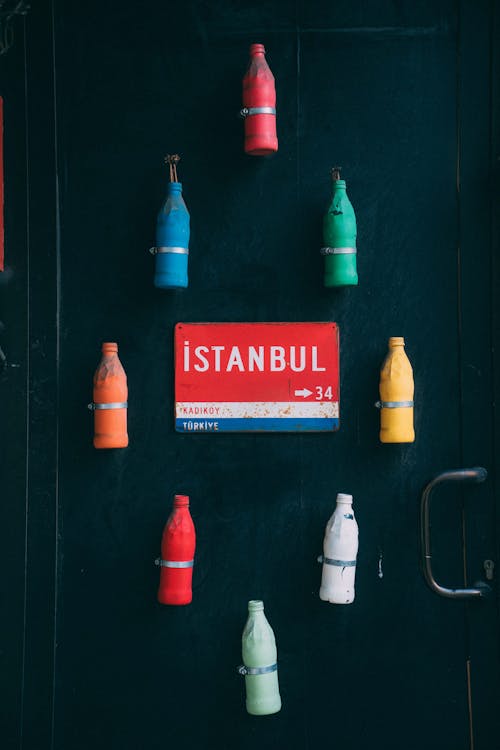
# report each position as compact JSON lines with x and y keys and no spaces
{"x":404,"y":97}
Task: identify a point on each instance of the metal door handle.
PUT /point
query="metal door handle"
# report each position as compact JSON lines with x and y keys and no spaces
{"x":481,"y":589}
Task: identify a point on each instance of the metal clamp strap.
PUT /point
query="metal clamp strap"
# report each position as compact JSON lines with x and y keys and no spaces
{"x":117,"y":405}
{"x":174,"y":563}
{"x":248,"y":111}
{"x":394,"y":404}
{"x":257,"y":670}
{"x":337,"y":563}
{"x":175,"y":250}
{"x":338,"y":251}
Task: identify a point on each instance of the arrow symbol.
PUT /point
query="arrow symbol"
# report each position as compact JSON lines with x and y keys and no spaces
{"x":305,"y":392}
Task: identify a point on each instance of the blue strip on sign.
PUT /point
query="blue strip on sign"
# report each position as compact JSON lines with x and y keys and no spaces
{"x":256,"y":424}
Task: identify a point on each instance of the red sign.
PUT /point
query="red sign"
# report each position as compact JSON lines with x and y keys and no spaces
{"x":243,"y":377}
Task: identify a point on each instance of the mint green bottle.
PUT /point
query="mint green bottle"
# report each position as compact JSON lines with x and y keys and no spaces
{"x":339,"y":236}
{"x":260,"y":666}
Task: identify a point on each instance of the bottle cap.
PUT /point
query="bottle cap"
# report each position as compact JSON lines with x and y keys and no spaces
{"x":396,"y":341}
{"x":256,"y":49}
{"x":342,"y":497}
{"x":109,"y":347}
{"x":336,"y":179}
{"x":255,"y":605}
{"x":181,"y":501}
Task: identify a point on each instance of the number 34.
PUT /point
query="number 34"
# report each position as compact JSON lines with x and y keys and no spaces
{"x":326,"y":394}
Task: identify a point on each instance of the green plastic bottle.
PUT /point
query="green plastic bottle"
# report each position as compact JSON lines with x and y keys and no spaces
{"x":260,"y":663}
{"x":339,"y":236}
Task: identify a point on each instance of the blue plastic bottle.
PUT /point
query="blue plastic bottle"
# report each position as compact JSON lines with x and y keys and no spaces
{"x":172,"y":241}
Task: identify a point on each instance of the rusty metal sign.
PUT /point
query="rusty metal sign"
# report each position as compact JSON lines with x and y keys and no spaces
{"x":256,"y":377}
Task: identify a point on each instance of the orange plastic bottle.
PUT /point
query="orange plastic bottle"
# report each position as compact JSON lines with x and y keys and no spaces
{"x":396,"y":395}
{"x":110,"y":400}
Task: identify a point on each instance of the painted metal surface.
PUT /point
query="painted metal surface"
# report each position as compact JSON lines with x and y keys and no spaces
{"x":1,"y":189}
{"x":363,"y":83}
{"x":245,"y":377}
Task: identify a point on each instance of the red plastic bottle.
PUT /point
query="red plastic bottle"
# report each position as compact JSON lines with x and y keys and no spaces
{"x":259,"y":93}
{"x":110,"y":400}
{"x":177,"y":555}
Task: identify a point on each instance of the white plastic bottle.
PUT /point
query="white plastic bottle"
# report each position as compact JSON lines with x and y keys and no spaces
{"x":340,"y":548}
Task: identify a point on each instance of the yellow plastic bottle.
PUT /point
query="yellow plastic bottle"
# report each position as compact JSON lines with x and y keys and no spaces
{"x":396,"y":395}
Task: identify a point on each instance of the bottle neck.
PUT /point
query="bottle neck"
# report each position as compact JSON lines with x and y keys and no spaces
{"x":338,"y":186}
{"x":181,"y":501}
{"x":344,"y":497}
{"x":396,"y":342}
{"x":108,"y":348}
{"x":174,"y":187}
{"x":257,"y":50}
